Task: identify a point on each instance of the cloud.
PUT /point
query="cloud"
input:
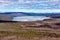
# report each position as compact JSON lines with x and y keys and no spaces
{"x":4,"y":3}
{"x":15,"y":5}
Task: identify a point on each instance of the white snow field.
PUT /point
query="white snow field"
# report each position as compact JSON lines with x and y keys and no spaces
{"x":30,"y":18}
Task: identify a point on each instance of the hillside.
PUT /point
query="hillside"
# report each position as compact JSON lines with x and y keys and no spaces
{"x":37,"y":30}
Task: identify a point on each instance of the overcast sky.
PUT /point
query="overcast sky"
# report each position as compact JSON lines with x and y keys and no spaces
{"x":30,"y":6}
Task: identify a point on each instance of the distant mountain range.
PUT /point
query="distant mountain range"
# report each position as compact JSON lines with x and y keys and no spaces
{"x":14,"y":14}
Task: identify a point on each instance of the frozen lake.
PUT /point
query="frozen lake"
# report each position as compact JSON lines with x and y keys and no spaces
{"x":29,"y":18}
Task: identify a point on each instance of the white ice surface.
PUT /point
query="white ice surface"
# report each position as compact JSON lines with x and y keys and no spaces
{"x":30,"y":18}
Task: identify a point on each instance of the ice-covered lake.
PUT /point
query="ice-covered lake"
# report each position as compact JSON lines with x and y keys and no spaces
{"x":29,"y":18}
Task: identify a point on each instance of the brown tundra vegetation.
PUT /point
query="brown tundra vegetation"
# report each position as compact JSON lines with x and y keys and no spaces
{"x":36,"y":30}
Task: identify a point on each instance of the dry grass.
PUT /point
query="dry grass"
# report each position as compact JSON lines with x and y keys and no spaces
{"x":44,"y":29}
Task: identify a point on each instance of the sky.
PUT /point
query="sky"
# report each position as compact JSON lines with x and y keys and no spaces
{"x":36,"y":6}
